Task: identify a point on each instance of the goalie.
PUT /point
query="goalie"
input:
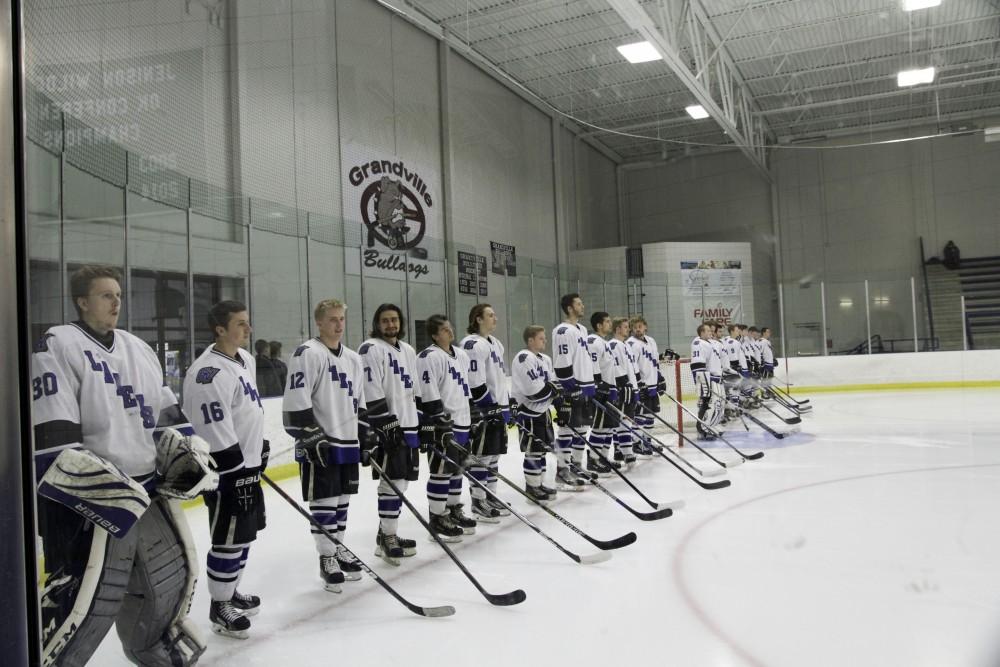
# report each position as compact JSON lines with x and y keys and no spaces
{"x":113,"y":451}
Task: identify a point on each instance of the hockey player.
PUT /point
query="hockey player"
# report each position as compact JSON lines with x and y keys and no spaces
{"x":575,"y":371}
{"x":606,"y":381}
{"x":445,"y":421}
{"x":390,"y":367}
{"x":534,"y":388}
{"x":220,"y":391}
{"x":651,"y":381}
{"x":324,"y":411}
{"x":734,"y":350}
{"x":767,"y":362}
{"x":491,"y":412}
{"x":628,"y":387}
{"x":706,"y":369}
{"x":752,"y":349}
{"x":117,"y":550}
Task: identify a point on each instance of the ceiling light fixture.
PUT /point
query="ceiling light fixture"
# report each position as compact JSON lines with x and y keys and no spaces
{"x":913,"y":5}
{"x":696,"y":111}
{"x":913,"y":77}
{"x":639,"y":52}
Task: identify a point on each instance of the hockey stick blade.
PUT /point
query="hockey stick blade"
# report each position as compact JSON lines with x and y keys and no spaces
{"x":429,"y":612}
{"x":502,"y":599}
{"x":609,"y":545}
{"x":591,"y":559}
{"x":645,"y":516}
{"x":721,"y":484}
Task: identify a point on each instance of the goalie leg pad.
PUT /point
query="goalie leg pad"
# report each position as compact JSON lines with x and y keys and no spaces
{"x":82,"y":598}
{"x":151,"y":623}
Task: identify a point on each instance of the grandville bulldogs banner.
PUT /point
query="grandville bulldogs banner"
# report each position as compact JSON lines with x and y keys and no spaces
{"x":712,"y":290}
{"x":396,"y":202}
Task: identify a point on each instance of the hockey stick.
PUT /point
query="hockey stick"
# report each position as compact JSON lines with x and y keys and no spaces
{"x":703,"y":473}
{"x":776,"y":434}
{"x":604,"y":545}
{"x":502,"y":600}
{"x":721,"y":484}
{"x":751,"y":457}
{"x":797,"y":408}
{"x":788,"y":394}
{"x":724,"y":464}
{"x":676,"y":505}
{"x":589,"y":559}
{"x":662,"y":513}
{"x":431,"y":612}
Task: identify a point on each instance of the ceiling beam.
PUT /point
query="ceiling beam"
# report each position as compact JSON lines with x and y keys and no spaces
{"x":719,"y":87}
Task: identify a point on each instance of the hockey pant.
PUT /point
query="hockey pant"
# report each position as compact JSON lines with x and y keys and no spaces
{"x":401,"y":464}
{"x":536,"y":436}
{"x":236,"y":513}
{"x":142,"y":583}
{"x":328,"y":490}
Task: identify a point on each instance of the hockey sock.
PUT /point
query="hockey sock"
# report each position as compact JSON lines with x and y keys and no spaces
{"x":455,"y":489}
{"x":563,"y":448}
{"x":600,"y":439}
{"x":343,"y":503}
{"x":223,"y":567}
{"x":623,"y":440}
{"x":324,"y":510}
{"x":437,"y":493}
{"x":534,"y":468}
{"x":389,"y":505}
{"x":481,"y":474}
{"x":579,"y":446}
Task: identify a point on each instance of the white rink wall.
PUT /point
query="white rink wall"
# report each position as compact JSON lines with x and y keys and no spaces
{"x":892,"y":371}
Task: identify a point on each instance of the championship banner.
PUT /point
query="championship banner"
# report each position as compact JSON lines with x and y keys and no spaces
{"x":395,"y":202}
{"x":712,"y":290}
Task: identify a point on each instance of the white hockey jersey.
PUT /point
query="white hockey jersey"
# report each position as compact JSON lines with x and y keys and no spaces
{"x":109,"y":400}
{"x":221,"y":398}
{"x":603,"y":361}
{"x":444,"y":379}
{"x":705,"y":358}
{"x":625,"y":365}
{"x":530,"y":375}
{"x":572,"y":360}
{"x":647,"y":359}
{"x":390,"y":384}
{"x":735,"y":353}
{"x":486,"y":368}
{"x":721,"y":351}
{"x":326,"y":388}
{"x":751,"y":349}
{"x":766,"y":351}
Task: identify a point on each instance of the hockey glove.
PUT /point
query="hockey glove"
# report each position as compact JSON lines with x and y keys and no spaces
{"x":313,"y":447}
{"x":368,"y":445}
{"x":186,"y":470}
{"x":96,"y":489}
{"x":661,"y":384}
{"x":626,"y":394}
{"x":387,"y":430}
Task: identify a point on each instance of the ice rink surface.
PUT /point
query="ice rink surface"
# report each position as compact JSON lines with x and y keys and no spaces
{"x":871,"y":537}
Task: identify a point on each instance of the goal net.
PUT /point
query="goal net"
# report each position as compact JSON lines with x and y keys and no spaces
{"x":680,"y":386}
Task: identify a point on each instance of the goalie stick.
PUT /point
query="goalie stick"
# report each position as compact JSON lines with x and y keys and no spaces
{"x":604,"y":545}
{"x":501,"y":600}
{"x":750,"y":457}
{"x":662,"y":513}
{"x":589,"y":559}
{"x":430,"y":612}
